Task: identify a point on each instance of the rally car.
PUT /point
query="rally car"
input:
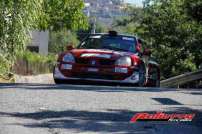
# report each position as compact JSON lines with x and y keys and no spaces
{"x":108,"y":58}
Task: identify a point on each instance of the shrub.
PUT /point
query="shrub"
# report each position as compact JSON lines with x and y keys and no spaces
{"x":4,"y":65}
{"x":30,"y":63}
{"x":60,"y":39}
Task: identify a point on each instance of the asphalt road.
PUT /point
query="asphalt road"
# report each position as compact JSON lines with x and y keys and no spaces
{"x":66,"y":109}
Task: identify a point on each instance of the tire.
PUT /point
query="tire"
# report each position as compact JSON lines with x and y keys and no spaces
{"x":58,"y":81}
{"x":142,"y":75}
{"x":157,"y":83}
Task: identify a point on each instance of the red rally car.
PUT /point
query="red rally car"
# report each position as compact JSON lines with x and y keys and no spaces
{"x":110,"y":58}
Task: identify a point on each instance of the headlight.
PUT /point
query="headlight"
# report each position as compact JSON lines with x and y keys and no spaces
{"x":68,"y":58}
{"x":124,"y":61}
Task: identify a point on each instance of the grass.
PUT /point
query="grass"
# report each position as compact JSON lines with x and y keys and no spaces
{"x":9,"y":78}
{"x":26,"y":63}
{"x":33,"y":57}
{"x":4,"y":80}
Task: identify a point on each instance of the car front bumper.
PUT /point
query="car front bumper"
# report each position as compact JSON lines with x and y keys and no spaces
{"x":133,"y":79}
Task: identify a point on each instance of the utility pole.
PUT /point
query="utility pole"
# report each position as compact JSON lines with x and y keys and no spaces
{"x":94,"y":20}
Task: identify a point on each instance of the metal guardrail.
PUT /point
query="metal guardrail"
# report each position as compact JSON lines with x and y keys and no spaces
{"x":182,"y":79}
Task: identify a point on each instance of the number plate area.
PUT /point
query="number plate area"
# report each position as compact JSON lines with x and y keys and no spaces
{"x":66,"y":66}
{"x":93,"y":69}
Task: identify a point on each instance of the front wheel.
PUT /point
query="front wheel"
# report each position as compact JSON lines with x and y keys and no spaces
{"x":58,"y":81}
{"x":157,"y":83}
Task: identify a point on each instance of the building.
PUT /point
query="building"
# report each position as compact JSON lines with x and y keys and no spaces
{"x":105,"y":11}
{"x":39,"y":42}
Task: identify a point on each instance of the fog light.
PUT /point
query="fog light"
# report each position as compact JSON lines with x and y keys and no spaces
{"x":121,"y":70}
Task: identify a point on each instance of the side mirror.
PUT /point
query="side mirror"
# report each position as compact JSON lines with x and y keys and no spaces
{"x":147,"y":52}
{"x":70,"y":47}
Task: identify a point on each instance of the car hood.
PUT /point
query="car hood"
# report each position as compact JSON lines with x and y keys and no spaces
{"x":99,"y":53}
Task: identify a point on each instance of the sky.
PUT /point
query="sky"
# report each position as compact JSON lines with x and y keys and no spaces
{"x":137,"y":2}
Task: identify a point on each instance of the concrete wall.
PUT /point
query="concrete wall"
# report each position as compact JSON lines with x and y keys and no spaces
{"x":40,"y":39}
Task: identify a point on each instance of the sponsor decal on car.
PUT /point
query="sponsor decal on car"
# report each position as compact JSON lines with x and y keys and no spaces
{"x":107,"y":56}
{"x":95,"y":37}
{"x":128,"y":38}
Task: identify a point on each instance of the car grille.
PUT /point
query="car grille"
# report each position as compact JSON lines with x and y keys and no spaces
{"x":94,"y":76}
{"x":82,"y":61}
{"x":104,"y":62}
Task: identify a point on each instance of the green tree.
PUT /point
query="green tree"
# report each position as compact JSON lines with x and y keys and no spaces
{"x":60,"y":39}
{"x":194,"y":9}
{"x":130,"y":24}
{"x":62,"y":18}
{"x":60,"y":14}
{"x":173,"y":35}
{"x":172,"y":29}
{"x":101,"y":28}
{"x":18,"y":17}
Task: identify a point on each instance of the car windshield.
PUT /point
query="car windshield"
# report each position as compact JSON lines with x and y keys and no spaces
{"x":117,"y":43}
